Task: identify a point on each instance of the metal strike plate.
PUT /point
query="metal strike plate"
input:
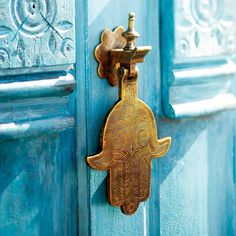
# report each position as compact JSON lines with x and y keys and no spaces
{"x":129,"y":139}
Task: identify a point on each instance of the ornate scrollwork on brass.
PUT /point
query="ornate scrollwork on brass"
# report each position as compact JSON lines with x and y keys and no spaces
{"x":129,"y":140}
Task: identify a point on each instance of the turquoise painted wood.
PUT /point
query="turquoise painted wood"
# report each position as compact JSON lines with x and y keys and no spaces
{"x":193,"y":187}
{"x":53,"y":104}
{"x":200,"y":37}
{"x":38,"y":187}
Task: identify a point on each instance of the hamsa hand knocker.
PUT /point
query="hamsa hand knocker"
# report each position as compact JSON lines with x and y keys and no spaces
{"x":129,"y":139}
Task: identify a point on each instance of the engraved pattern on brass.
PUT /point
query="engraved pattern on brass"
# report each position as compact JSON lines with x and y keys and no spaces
{"x":129,"y":139}
{"x":129,"y":143}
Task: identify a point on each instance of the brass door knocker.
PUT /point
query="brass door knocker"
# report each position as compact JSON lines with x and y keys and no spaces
{"x":129,"y":139}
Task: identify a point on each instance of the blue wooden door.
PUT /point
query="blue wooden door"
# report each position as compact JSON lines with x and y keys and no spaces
{"x":37,"y":118}
{"x":187,"y":80}
{"x":53,"y":105}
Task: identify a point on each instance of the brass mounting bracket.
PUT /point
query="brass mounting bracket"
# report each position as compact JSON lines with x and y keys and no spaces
{"x":117,"y":49}
{"x":109,"y":40}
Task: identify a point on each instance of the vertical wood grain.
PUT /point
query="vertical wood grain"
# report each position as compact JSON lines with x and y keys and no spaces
{"x":192,"y":187}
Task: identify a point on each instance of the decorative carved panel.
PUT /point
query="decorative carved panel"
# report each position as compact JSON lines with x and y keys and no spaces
{"x":204,"y":28}
{"x":198,"y":45}
{"x":36,"y":33}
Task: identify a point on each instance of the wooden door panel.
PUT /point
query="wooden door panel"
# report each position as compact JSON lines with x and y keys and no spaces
{"x":96,"y":216}
{"x":37,"y":186}
{"x":196,"y":179}
{"x":36,"y":34}
{"x":198,"y":73}
{"x":198,"y":48}
{"x":183,"y":198}
{"x":37,"y":118}
{"x":47,"y":129}
{"x":38,"y":171}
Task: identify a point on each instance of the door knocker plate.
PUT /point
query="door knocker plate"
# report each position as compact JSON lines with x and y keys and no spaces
{"x":129,"y":139}
{"x":109,"y":40}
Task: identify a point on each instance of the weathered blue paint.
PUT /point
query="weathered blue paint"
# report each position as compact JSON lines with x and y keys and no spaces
{"x":37,"y":33}
{"x":46,"y":131}
{"x":25,"y":87}
{"x":96,"y":216}
{"x":37,"y":162}
{"x":192,"y":187}
{"x":197,"y":57}
{"x":196,"y":179}
{"x":38,"y":186}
